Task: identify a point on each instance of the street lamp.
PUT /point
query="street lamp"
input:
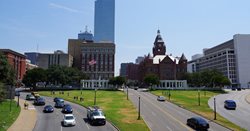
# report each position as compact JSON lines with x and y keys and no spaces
{"x":139,"y":112}
{"x":127,"y":92}
{"x":199,"y":99}
{"x":214,"y":108}
{"x":95,"y":97}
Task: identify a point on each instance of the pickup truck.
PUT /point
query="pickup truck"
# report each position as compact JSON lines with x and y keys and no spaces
{"x":95,"y":115}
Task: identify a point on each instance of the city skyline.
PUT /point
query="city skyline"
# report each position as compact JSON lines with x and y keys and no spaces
{"x":186,"y":27}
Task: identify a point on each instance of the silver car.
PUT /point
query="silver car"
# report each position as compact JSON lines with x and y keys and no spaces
{"x":69,"y":120}
{"x":161,"y":98}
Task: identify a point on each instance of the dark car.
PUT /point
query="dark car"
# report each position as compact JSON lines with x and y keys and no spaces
{"x":58,"y":99}
{"x":59,"y":104}
{"x":39,"y":101}
{"x":197,"y":123}
{"x":230,"y":104}
{"x":67,"y":109}
{"x":238,"y":89}
{"x":30,"y":97}
{"x":48,"y":108}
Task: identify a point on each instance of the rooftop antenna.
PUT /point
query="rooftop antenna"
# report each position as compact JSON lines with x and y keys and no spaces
{"x":86,"y":28}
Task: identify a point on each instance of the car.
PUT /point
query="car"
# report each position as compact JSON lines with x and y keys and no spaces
{"x":69,"y":120}
{"x":48,"y":108}
{"x":95,"y":115}
{"x":58,"y":99}
{"x":67,"y":109}
{"x":198,"y":123}
{"x":39,"y":101}
{"x":238,"y":89}
{"x":59,"y":104}
{"x":161,"y":98}
{"x":30,"y":97}
{"x":233,"y":88}
{"x":230,"y":104}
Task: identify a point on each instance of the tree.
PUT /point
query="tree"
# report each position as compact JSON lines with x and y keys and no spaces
{"x":119,"y":80}
{"x":33,"y":76}
{"x":7,"y":73}
{"x":2,"y":92}
{"x":151,"y":79}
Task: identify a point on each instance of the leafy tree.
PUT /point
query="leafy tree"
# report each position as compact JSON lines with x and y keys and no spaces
{"x":151,"y":79}
{"x":33,"y":76}
{"x":2,"y":92}
{"x":7,"y":73}
{"x":117,"y":81}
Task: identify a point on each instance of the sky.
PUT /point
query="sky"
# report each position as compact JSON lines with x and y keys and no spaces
{"x":187,"y":26}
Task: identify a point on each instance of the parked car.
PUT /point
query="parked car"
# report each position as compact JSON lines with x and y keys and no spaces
{"x":96,"y":116}
{"x":230,"y":104}
{"x":69,"y":120}
{"x":67,"y":109}
{"x":30,"y":97}
{"x":39,"y":101}
{"x":59,"y":104}
{"x":239,"y":89}
{"x":48,"y":108}
{"x":197,"y":123}
{"x":161,"y":98}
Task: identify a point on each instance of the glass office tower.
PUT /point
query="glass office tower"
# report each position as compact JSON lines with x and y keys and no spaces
{"x":104,"y":28}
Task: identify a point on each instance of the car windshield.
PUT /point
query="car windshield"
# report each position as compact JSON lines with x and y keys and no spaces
{"x":231,"y":103}
{"x":69,"y":117}
{"x":201,"y":121}
{"x":97,"y":113}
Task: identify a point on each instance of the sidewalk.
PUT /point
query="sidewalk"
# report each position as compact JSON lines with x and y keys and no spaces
{"x":26,"y":120}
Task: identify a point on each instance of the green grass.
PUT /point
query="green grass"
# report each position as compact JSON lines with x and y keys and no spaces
{"x":117,"y":108}
{"x":7,"y":117}
{"x":189,"y":101}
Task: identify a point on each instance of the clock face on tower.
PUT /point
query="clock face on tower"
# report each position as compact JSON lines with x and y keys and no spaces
{"x":159,"y":45}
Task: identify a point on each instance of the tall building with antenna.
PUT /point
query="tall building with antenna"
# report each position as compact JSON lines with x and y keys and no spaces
{"x":104,"y":28}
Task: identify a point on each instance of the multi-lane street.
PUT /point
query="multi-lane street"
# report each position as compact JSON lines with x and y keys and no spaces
{"x":164,"y":116}
{"x":241,"y":115}
{"x":52,"y":121}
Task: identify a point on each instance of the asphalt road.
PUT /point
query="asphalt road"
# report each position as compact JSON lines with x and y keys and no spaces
{"x":241,"y":115}
{"x":52,"y":121}
{"x":164,"y":116}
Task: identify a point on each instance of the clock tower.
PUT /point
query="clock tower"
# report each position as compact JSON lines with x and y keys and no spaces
{"x":159,"y":46}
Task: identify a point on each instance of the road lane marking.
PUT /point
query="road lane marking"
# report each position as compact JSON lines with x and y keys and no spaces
{"x":168,"y":114}
{"x":61,"y":128}
{"x":169,"y":129}
{"x":87,"y":125}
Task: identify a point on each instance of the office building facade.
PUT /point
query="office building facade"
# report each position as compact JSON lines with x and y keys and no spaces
{"x":96,"y":60}
{"x":104,"y":21}
{"x":45,"y":60}
{"x":32,"y":56}
{"x":230,"y":58}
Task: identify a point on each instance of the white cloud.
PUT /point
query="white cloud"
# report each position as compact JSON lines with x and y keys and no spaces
{"x":64,"y":8}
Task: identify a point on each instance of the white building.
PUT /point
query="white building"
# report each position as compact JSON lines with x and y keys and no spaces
{"x":232,"y":58}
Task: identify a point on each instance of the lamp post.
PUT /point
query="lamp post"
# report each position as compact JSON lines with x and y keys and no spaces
{"x":139,"y":112}
{"x":95,"y":97}
{"x":10,"y":96}
{"x":214,"y":108}
{"x":199,"y":99}
{"x":127,"y":92}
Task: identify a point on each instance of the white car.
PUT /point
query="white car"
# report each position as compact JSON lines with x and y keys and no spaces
{"x":161,"y":98}
{"x":69,"y":120}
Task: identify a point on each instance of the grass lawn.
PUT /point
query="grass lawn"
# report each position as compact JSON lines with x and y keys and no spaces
{"x":189,"y":101}
{"x":117,"y":108}
{"x":7,"y":117}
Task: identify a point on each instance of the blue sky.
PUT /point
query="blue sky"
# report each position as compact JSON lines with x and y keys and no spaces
{"x":186,"y":26}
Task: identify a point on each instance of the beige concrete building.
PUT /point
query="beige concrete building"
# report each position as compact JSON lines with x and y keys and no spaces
{"x":96,"y":60}
{"x":57,"y":58}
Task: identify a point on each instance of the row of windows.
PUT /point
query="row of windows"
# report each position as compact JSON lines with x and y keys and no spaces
{"x":97,"y":50}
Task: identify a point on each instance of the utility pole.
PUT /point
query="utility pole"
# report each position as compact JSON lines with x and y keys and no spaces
{"x":199,"y":99}
{"x":95,"y":97}
{"x":127,"y":92}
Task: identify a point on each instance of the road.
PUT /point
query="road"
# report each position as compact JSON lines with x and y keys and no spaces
{"x":52,"y":121}
{"x":164,"y":116}
{"x":241,"y":115}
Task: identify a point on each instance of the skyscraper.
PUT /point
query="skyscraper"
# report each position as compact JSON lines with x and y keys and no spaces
{"x":104,"y":28}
